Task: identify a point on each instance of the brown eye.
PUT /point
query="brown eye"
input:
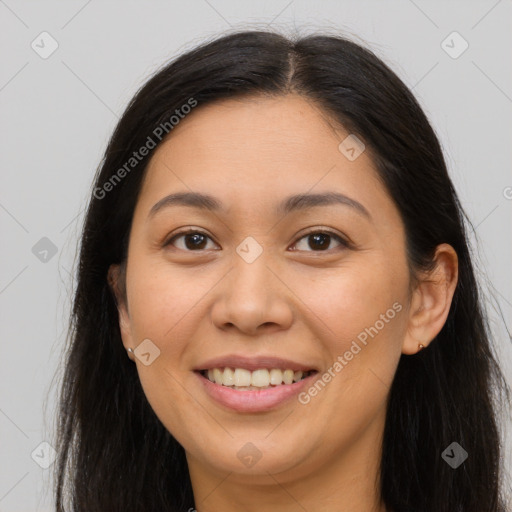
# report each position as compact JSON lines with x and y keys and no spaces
{"x":196,"y":241}
{"x":193,"y":240}
{"x":321,"y":240}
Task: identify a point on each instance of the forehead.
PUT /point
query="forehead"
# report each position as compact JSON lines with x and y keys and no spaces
{"x":254,"y":151}
{"x":283,"y":127}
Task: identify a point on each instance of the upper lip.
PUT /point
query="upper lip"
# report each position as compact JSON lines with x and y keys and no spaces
{"x":253,"y":363}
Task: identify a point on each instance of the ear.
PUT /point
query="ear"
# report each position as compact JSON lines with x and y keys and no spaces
{"x":117,"y":283}
{"x":431,"y":300}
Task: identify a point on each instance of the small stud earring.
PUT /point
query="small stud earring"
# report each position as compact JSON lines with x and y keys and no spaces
{"x":420,"y":346}
{"x":129,"y":350}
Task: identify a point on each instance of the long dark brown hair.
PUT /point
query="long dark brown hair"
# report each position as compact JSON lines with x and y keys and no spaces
{"x":113,"y":452}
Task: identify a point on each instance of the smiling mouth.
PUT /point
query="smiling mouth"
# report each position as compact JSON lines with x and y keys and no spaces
{"x":246,"y":380}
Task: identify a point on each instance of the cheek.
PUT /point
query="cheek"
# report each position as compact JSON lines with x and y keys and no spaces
{"x":361,"y":303}
{"x":358,"y":313}
{"x":166,"y":311}
{"x":358,"y":317}
{"x":161,"y":307}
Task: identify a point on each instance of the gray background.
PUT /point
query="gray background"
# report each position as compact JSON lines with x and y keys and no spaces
{"x":57,"y":114}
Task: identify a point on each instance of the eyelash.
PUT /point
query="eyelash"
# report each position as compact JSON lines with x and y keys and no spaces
{"x":344,"y":243}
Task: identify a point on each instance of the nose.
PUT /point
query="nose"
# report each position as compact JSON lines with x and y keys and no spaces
{"x":252,"y":298}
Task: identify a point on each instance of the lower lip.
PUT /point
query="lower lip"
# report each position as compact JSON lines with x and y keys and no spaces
{"x":257,"y":400}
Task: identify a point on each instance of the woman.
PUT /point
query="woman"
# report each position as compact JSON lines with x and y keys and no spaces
{"x":276,"y":307}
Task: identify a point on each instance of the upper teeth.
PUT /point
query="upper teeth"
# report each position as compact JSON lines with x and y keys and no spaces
{"x":261,"y":378}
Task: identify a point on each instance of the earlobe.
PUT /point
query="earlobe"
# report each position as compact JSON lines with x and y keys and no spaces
{"x":432,"y":300}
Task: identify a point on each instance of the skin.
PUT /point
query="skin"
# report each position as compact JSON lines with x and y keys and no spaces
{"x":294,"y":301}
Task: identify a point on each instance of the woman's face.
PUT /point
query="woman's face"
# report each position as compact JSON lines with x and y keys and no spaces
{"x":265,"y":283}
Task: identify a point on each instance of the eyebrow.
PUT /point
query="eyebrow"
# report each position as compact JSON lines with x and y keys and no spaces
{"x":290,"y":204}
